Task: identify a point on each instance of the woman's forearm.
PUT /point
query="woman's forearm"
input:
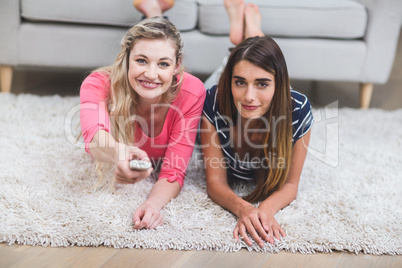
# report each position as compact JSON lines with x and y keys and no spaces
{"x":103,"y":147}
{"x":279,"y":199}
{"x":224,"y":196}
{"x":288,"y":192}
{"x":162,"y":192}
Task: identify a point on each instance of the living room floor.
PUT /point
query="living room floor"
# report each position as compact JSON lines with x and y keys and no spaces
{"x":45,"y":82}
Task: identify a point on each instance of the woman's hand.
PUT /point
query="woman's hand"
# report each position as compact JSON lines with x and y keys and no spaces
{"x":260,"y":225}
{"x":274,"y":229}
{"x":123,"y":172}
{"x":147,"y":216}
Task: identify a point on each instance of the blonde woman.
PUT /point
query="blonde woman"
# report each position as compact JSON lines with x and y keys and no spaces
{"x":255,"y":128}
{"x":144,"y":107}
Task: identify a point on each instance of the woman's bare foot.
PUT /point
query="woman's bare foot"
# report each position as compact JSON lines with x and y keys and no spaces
{"x":235,"y":10}
{"x":165,"y":4}
{"x":150,"y":8}
{"x":252,"y":18}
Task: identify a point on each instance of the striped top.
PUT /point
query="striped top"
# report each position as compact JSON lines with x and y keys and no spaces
{"x":302,"y":118}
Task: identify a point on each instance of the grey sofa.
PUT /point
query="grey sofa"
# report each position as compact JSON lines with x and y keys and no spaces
{"x":336,"y":40}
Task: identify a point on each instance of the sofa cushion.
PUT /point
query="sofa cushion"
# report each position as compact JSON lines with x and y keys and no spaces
{"x":296,"y":18}
{"x":104,"y":12}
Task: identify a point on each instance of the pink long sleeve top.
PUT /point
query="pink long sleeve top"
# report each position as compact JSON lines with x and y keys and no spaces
{"x":174,"y":145}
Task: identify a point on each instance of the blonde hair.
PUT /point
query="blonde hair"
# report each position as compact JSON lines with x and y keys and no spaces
{"x":122,"y":98}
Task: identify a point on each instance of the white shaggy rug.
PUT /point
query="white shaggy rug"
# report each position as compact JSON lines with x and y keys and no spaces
{"x":349,"y":197}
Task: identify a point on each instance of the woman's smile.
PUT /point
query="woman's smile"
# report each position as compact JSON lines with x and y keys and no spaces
{"x":148,"y":84}
{"x":250,"y":107}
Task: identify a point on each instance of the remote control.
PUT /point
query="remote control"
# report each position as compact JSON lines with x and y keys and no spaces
{"x":140,"y":164}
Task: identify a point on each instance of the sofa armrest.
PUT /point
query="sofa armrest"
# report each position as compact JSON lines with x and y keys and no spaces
{"x":9,"y":25}
{"x":382,"y":35}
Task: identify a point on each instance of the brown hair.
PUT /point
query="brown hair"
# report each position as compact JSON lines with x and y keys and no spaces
{"x":265,"y":53}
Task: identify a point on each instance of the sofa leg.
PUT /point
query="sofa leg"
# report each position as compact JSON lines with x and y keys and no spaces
{"x":6,"y":77}
{"x":366,"y":90}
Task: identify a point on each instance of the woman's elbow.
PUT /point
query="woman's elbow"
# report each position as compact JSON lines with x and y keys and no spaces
{"x":212,"y":190}
{"x":291,"y":189}
{"x":294,"y":192}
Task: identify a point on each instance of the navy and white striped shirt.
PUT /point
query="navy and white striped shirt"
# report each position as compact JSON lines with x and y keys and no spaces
{"x":302,"y":120}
